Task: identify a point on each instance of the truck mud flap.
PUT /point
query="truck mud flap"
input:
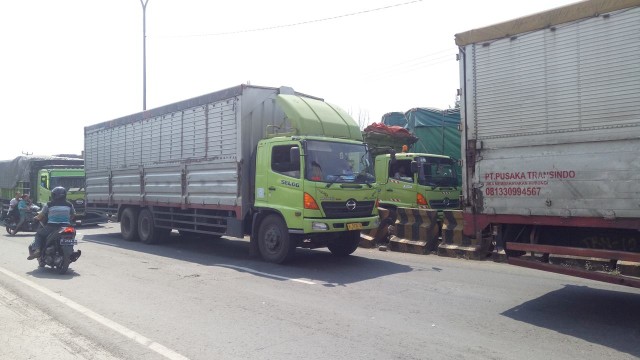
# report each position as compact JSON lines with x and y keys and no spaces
{"x":455,"y":244}
{"x":616,"y":267}
{"x":374,"y":237}
{"x":415,"y":231}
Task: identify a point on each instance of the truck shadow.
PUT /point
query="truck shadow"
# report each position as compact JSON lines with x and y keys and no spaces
{"x":316,"y":265}
{"x":604,"y":317}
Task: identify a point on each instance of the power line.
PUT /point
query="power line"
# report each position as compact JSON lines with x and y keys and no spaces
{"x":388,"y":75}
{"x":412,"y":64}
{"x":294,"y":24}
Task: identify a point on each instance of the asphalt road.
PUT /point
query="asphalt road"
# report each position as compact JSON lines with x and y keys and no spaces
{"x":207,"y":299}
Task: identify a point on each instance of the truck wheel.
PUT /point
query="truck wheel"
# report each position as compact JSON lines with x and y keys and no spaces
{"x":274,"y":242}
{"x":129,"y":224}
{"x":147,"y":232}
{"x":346,"y":244}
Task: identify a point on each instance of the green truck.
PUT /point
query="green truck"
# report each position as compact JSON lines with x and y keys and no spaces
{"x":411,"y":179}
{"x":417,"y":180}
{"x":38,"y":175}
{"x":287,"y":169}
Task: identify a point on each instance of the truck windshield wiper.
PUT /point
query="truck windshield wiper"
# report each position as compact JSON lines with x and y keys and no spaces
{"x":335,"y":180}
{"x":363,"y":176}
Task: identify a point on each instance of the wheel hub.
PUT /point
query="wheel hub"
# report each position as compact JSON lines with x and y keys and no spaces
{"x":272,"y":239}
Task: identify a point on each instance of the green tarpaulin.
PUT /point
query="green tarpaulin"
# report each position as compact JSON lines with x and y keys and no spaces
{"x":437,"y":132}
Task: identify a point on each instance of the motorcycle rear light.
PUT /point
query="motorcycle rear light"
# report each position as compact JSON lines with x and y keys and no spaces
{"x":69,"y":230}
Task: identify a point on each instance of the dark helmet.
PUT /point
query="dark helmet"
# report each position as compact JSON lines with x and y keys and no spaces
{"x":59,"y":193}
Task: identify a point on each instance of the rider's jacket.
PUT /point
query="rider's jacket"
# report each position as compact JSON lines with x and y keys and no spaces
{"x":59,"y":212}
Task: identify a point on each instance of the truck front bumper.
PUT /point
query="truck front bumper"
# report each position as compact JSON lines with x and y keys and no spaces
{"x":335,"y":225}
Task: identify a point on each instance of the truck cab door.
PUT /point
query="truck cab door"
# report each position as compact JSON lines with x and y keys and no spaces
{"x":284,"y":186}
{"x":401,"y":188}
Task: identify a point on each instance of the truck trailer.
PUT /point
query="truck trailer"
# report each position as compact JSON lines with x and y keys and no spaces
{"x":550,"y":108}
{"x":287,"y":169}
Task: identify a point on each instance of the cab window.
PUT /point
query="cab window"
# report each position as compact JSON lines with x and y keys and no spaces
{"x":401,"y":171}
{"x":283,"y":162}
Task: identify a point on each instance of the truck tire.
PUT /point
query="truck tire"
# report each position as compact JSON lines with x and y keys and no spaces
{"x":344,"y":245}
{"x":129,"y":224}
{"x":147,"y":231}
{"x":274,"y":242}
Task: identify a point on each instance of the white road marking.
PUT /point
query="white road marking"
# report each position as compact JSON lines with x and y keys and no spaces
{"x":158,"y":348}
{"x":249,"y":270}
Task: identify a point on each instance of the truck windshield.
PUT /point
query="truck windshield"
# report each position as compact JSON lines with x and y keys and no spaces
{"x":70,"y":182}
{"x":437,"y":171}
{"x":336,"y":162}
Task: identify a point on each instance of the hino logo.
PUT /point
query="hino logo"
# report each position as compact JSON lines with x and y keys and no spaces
{"x":446,"y":202}
{"x":351,"y":204}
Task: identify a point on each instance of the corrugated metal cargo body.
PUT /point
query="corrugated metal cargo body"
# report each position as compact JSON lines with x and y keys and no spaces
{"x":187,"y":154}
{"x":551,"y":126}
{"x":229,"y":162}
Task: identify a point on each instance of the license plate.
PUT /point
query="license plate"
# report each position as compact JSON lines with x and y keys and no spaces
{"x":68,"y":242}
{"x":354,"y":226}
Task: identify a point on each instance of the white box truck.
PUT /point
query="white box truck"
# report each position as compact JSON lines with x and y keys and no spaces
{"x":550,"y":107}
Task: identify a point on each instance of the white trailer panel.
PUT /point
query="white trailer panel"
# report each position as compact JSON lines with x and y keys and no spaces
{"x":552,"y":119}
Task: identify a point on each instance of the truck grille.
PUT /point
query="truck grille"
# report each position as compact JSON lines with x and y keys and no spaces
{"x":444,"y":204}
{"x":339,"y":209}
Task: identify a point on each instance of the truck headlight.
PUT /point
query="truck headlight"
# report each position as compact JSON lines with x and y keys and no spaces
{"x":319,"y":226}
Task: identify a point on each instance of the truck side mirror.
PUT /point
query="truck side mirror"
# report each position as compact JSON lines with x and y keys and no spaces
{"x":414,"y":167}
{"x":294,"y":155}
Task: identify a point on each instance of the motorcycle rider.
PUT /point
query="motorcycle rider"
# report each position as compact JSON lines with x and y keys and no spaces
{"x":57,"y":212}
{"x":23,"y":207}
{"x":13,"y":207}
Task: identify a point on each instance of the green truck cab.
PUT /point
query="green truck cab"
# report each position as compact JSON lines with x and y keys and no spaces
{"x":416,"y":180}
{"x":70,"y":179}
{"x":413,"y":180}
{"x":318,"y":178}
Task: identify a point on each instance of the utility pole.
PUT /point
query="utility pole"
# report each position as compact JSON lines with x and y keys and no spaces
{"x":144,"y":54}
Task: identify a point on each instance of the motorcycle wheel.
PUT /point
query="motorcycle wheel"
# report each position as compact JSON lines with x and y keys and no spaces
{"x":8,"y":230}
{"x":64,"y":265}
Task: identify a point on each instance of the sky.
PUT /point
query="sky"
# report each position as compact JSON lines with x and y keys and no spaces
{"x":68,"y":64}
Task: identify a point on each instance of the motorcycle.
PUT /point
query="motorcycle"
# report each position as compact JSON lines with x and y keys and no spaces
{"x":30,"y":224}
{"x":58,"y":249}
